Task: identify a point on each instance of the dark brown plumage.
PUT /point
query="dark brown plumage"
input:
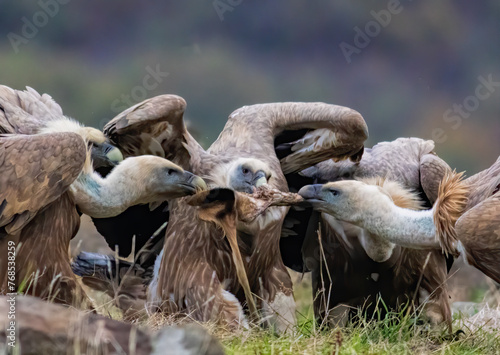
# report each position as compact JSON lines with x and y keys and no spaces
{"x":35,"y":174}
{"x":197,"y":275}
{"x":478,"y":229}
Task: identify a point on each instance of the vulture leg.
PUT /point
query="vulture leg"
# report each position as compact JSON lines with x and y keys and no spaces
{"x":425,"y":272}
{"x":123,"y":281}
{"x":479,"y":232}
{"x":270,"y":279}
{"x":201,"y":296}
{"x":277,"y":301}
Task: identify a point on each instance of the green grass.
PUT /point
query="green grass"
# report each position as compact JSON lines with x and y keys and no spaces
{"x":395,"y":334}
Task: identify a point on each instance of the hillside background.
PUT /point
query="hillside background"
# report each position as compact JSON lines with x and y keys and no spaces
{"x":426,"y":59}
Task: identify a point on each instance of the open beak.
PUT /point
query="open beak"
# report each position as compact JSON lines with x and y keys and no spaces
{"x":259,"y":179}
{"x":105,"y":156}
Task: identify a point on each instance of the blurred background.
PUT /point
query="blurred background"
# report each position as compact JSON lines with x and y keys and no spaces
{"x":426,"y":69}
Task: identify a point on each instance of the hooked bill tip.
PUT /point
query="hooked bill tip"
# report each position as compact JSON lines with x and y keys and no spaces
{"x":115,"y":155}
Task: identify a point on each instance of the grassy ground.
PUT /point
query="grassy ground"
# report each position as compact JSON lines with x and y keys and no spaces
{"x":394,"y":334}
{"x":381,"y":337}
{"x":387,"y":336}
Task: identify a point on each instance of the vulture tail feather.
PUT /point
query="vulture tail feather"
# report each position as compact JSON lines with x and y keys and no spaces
{"x":449,"y":207}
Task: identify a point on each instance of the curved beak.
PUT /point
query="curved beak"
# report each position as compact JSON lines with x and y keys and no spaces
{"x":193,"y":183}
{"x":114,"y":155}
{"x":311,"y":192}
{"x":105,"y":155}
{"x":259,"y":179}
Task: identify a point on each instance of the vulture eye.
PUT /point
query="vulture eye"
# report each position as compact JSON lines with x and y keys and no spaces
{"x":335,"y":192}
{"x":245,"y":170}
{"x":170,"y":171}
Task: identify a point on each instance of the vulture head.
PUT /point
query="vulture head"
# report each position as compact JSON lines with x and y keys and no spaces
{"x":244,"y":175}
{"x":166,"y":179}
{"x":104,"y":155}
{"x":160,"y":178}
{"x":350,"y":200}
{"x":145,"y":179}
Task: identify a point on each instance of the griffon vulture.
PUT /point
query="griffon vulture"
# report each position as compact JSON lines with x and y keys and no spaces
{"x":259,"y":145}
{"x":463,"y":219}
{"x":44,"y":177}
{"x":347,"y":268}
{"x":28,"y":112}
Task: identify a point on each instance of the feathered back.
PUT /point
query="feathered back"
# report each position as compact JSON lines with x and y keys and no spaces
{"x":449,"y":207}
{"x":401,"y":196}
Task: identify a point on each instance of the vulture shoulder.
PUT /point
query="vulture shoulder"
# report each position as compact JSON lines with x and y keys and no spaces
{"x":35,"y":171}
{"x":479,"y":231}
{"x":483,"y":184}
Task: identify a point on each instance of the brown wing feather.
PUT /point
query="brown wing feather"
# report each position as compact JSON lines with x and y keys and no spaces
{"x":155,"y":126}
{"x":25,"y":112}
{"x":332,"y":132}
{"x":479,"y":231}
{"x":483,"y":184}
{"x":43,"y":248}
{"x":34,"y":171}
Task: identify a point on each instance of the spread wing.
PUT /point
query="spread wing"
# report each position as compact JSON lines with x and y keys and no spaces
{"x":34,"y":171}
{"x":298,"y":134}
{"x":24,"y":112}
{"x":479,"y":231}
{"x":290,"y":137}
{"x":156,"y":127}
